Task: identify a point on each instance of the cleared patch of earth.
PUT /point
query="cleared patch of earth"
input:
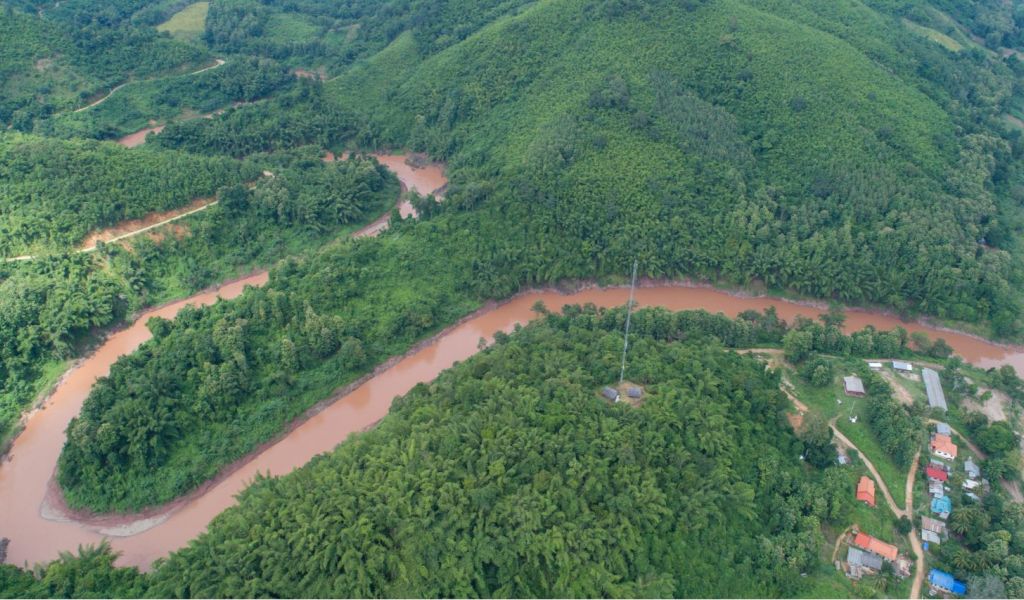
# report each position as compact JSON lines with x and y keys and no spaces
{"x":994,"y":408}
{"x":126,"y":227}
{"x":902,"y":394}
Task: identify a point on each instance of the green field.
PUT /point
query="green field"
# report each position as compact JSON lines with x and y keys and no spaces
{"x":188,"y":23}
{"x":290,"y":28}
{"x":936,"y":36}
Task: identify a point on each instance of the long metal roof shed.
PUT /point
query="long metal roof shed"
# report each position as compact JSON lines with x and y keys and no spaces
{"x":932,"y":385}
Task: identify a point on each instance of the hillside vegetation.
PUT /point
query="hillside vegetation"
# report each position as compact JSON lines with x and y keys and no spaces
{"x":54,"y":193}
{"x":51,"y":306}
{"x":747,"y":139}
{"x":70,"y":57}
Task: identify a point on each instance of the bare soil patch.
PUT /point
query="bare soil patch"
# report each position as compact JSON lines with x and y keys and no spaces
{"x":994,"y":408}
{"x":126,"y":227}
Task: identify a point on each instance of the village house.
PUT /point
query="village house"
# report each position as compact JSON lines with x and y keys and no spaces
{"x":934,"y":525}
{"x":611,"y":394}
{"x":930,"y":536}
{"x":942,"y":507}
{"x":972,"y":469}
{"x":905,"y":367}
{"x":942,"y":446}
{"x":634,"y":393}
{"x":944,"y":583}
{"x":853,"y":386}
{"x":970,"y":484}
{"x":943,"y":428}
{"x":866,"y":490}
{"x":936,"y":474}
{"x":933,"y":387}
{"x":936,"y":489}
{"x":872,"y":544}
{"x":875,"y":366}
{"x":860,"y":563}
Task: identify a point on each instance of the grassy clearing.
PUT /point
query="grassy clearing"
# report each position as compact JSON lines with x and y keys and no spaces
{"x":287,"y":28}
{"x":938,"y":37}
{"x":858,"y":433}
{"x":824,"y":401}
{"x":188,"y":23}
{"x":878,"y":522}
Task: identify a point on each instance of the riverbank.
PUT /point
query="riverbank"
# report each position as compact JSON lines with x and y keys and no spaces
{"x":354,"y":407}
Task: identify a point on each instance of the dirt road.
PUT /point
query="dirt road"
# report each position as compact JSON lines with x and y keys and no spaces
{"x":915,"y":542}
{"x":136,"y":232}
{"x":217,"y":62}
{"x":133,"y":233}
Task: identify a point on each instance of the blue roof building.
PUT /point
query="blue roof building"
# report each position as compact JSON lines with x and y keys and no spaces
{"x":945,"y":582}
{"x":942,"y":506}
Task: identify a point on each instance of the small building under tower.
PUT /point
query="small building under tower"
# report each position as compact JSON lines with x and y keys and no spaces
{"x":853,"y":386}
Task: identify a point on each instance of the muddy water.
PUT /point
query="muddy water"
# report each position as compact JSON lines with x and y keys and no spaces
{"x":25,"y":479}
{"x":139,"y":137}
{"x":426,"y":179}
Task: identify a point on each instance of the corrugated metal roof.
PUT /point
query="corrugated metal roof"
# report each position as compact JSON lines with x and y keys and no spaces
{"x":933,"y":386}
{"x":856,"y":556}
{"x":930,"y":524}
{"x":945,"y":581}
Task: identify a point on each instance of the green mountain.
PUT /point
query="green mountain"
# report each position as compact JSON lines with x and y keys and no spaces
{"x":822,"y":148}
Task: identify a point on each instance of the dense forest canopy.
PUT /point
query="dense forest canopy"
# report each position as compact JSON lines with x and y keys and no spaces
{"x":54,"y":193}
{"x":864,"y":151}
{"x":511,"y":476}
{"x":50,"y":305}
{"x":59,"y":63}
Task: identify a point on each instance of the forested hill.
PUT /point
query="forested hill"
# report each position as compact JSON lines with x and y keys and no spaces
{"x":52,"y":63}
{"x":511,"y":476}
{"x":827,"y":148}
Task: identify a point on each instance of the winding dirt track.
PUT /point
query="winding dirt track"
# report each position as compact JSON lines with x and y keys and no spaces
{"x":217,"y":62}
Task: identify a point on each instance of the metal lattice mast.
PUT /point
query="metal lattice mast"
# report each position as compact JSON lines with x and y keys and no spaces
{"x":629,"y":314}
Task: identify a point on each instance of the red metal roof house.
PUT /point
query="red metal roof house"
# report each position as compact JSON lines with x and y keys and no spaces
{"x":871,"y":544}
{"x":866,"y":490}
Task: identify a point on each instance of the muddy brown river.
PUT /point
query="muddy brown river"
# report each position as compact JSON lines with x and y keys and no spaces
{"x":39,"y":528}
